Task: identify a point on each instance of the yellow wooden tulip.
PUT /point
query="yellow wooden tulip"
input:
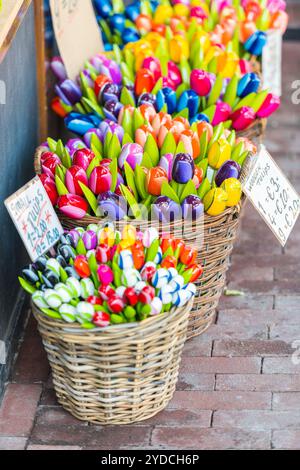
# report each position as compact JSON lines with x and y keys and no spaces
{"x":181,"y":10}
{"x":231,"y":66}
{"x":219,"y":153}
{"x":215,"y":201}
{"x":162,"y":14}
{"x":178,"y":48}
{"x":233,"y":188}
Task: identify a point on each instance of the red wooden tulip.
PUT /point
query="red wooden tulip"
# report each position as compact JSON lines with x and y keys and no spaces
{"x":50,"y":188}
{"x":72,"y":206}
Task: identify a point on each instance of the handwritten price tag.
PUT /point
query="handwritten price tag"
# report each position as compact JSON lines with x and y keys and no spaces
{"x":34,"y":217}
{"x":77,"y":33}
{"x":271,"y":62}
{"x":272,"y":195}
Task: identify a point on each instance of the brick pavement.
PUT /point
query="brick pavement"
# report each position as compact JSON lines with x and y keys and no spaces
{"x":238,"y":387}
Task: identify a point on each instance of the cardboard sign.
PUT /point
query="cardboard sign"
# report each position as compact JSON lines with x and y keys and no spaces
{"x":271,"y":62}
{"x":77,"y":33}
{"x":34,"y":217}
{"x":272,"y":195}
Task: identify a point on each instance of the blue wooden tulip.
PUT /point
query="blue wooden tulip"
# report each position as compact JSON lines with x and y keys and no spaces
{"x":103,"y":7}
{"x":78,"y":123}
{"x":183,"y":168}
{"x":190,"y":100}
{"x":133,"y":11}
{"x":117,"y":22}
{"x":166,"y":96}
{"x":199,"y":117}
{"x":249,"y":83}
{"x":130,"y":35}
{"x":256,"y":42}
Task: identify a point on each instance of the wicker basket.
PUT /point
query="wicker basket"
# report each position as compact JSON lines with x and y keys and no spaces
{"x":255,"y":131}
{"x":214,"y":242}
{"x":115,"y":375}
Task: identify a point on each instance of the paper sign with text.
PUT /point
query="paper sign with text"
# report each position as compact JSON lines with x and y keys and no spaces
{"x":34,"y":217}
{"x":272,"y":195}
{"x":77,"y":33}
{"x":271,"y":62}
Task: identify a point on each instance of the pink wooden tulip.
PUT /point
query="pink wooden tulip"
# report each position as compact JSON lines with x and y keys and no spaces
{"x":49,"y":164}
{"x":83,"y":158}
{"x":200,"y":82}
{"x":242,"y":118}
{"x":269,"y":106}
{"x":100,"y":179}
{"x":174,"y":74}
{"x":73,"y":176}
{"x":222,"y":113}
{"x":72,"y":206}
{"x":153,"y":64}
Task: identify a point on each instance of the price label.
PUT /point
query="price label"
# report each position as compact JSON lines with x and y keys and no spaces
{"x":272,"y":195}
{"x":77,"y":33}
{"x":34,"y":217}
{"x":271,"y":62}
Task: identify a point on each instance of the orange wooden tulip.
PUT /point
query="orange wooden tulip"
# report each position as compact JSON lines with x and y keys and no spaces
{"x":205,"y":126}
{"x":247,"y":28}
{"x":142,"y":133}
{"x":144,"y":81}
{"x":154,"y":180}
{"x":169,"y":262}
{"x":148,"y":111}
{"x":191,"y":142}
{"x":100,"y":81}
{"x":188,"y":256}
{"x":144,"y":23}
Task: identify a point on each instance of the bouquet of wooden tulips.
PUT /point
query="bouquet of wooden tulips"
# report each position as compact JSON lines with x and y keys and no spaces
{"x":244,"y":22}
{"x":100,"y":276}
{"x":165,"y":172}
{"x":105,"y":90}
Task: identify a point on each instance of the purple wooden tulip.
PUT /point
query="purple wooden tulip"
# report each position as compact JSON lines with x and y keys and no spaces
{"x":90,"y":240}
{"x":75,"y":235}
{"x":96,"y":62}
{"x":69,"y":92}
{"x":192,"y":207}
{"x":58,"y":68}
{"x":113,"y":127}
{"x":88,"y":135}
{"x":111,"y":109}
{"x":115,"y":72}
{"x":222,"y":113}
{"x":73,"y":145}
{"x":109,"y":92}
{"x":112,"y":206}
{"x":166,"y":162}
{"x":87,"y":75}
{"x":132,"y":154}
{"x":183,"y":168}
{"x":229,"y":169}
{"x":165,"y":210}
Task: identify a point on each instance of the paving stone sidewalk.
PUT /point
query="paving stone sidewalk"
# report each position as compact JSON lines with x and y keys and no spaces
{"x":238,"y":387}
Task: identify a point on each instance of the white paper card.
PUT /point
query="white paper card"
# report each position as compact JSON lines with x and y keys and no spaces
{"x":271,"y":62}
{"x":272,"y":195}
{"x":34,"y":217}
{"x":77,"y":33}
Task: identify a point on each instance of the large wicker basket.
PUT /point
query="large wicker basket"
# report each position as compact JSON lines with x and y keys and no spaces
{"x":214,"y":242}
{"x":115,"y":375}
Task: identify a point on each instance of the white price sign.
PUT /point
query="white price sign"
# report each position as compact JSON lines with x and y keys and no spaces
{"x":77,"y":33}
{"x":34,"y":217}
{"x":271,"y":62}
{"x":272,"y":195}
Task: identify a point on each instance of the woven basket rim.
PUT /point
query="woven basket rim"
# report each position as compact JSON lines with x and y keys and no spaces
{"x":71,"y":328}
